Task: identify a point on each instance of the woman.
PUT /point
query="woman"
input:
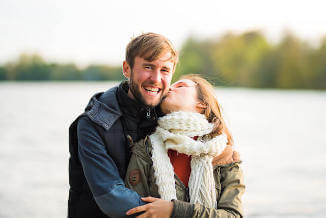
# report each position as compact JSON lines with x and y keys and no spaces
{"x":175,"y":162}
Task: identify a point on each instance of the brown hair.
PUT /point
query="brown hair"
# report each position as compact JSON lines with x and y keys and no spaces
{"x":206,"y":94}
{"x":150,"y":46}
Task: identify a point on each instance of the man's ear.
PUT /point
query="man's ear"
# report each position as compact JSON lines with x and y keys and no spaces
{"x":126,"y":69}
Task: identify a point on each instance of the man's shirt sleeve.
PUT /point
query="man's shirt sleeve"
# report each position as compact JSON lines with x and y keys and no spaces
{"x":102,"y":174}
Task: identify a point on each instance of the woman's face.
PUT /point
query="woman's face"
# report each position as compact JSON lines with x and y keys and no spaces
{"x":182,"y":96}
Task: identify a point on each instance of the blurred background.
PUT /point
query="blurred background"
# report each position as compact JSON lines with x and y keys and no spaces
{"x":266,"y":59}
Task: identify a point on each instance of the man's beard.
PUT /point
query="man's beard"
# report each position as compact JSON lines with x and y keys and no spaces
{"x":138,"y":96}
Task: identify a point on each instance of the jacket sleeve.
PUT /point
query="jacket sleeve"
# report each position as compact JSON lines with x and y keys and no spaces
{"x":230,"y":190}
{"x":102,"y":174}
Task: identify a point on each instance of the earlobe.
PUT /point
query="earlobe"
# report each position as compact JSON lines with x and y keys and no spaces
{"x":201,"y":105}
{"x":126,"y":69}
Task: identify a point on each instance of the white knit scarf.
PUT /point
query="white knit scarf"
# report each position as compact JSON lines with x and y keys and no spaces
{"x":175,"y":131}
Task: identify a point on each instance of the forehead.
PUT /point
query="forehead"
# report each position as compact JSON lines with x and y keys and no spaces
{"x":165,"y":56}
{"x":187,"y":82}
{"x":163,"y":59}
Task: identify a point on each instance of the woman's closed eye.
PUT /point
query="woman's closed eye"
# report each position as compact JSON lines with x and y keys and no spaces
{"x":179,"y":85}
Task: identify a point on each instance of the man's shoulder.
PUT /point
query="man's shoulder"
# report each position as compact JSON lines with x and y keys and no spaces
{"x":107,"y":99}
{"x":103,"y":108}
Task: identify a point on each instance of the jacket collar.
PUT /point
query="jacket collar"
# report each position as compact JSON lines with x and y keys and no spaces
{"x":103,"y":108}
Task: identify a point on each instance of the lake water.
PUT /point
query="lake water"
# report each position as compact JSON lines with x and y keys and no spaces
{"x":281,"y":136}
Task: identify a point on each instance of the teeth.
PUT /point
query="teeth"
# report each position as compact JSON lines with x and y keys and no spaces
{"x":152,"y":89}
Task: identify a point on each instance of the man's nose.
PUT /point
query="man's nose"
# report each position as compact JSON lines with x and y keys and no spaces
{"x":156,"y":76}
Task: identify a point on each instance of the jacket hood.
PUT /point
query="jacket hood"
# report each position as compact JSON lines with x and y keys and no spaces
{"x":103,"y":108}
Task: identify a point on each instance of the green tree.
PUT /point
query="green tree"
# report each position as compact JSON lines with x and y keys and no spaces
{"x":102,"y":72}
{"x":266,"y":70}
{"x":293,"y":63}
{"x":318,"y":67}
{"x":237,"y":57}
{"x":28,"y":67}
{"x":3,"y":73}
{"x":196,"y":58}
{"x":65,"y":72}
{"x":245,"y":59}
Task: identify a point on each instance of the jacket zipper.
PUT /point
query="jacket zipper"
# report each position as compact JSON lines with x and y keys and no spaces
{"x":148,"y":113}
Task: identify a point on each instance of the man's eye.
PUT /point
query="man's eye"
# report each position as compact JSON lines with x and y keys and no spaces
{"x":166,"y":72}
{"x":148,"y":67}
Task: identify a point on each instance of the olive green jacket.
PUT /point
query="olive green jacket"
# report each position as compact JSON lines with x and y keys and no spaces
{"x":228,"y":181}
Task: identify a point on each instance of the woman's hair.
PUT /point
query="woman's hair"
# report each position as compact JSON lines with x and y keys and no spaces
{"x":206,"y":94}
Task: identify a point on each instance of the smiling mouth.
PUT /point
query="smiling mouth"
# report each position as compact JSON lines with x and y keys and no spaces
{"x":151,"y":90}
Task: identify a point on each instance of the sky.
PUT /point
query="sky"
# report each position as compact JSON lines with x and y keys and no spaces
{"x":98,"y":31}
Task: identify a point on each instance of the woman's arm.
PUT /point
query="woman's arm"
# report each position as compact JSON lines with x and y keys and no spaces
{"x":229,"y":204}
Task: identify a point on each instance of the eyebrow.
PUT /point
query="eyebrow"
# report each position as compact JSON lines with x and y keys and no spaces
{"x":167,"y":68}
{"x":148,"y":64}
{"x":153,"y":65}
{"x":183,"y":82}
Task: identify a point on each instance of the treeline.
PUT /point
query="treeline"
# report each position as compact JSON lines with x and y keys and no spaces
{"x":249,"y":60}
{"x":35,"y":68}
{"x":246,"y":60}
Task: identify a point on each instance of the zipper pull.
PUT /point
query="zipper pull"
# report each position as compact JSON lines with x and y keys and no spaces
{"x":148,"y":113}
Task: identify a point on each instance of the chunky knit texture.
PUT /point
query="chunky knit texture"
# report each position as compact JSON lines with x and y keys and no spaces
{"x":175,"y":131}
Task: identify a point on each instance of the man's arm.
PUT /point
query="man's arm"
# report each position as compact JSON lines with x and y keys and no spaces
{"x":102,"y":174}
{"x":229,"y":204}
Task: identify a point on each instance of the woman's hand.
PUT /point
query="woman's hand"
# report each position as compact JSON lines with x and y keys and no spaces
{"x":157,"y":208}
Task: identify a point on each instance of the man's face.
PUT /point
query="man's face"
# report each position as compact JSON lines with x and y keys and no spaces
{"x":149,"y":81}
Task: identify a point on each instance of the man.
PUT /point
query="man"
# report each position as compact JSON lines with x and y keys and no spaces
{"x":99,"y":138}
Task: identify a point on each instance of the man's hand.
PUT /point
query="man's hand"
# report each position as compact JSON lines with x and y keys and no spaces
{"x":157,"y":208}
{"x":226,"y":157}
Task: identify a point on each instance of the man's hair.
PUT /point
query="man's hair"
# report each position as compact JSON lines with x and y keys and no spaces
{"x":150,"y":46}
